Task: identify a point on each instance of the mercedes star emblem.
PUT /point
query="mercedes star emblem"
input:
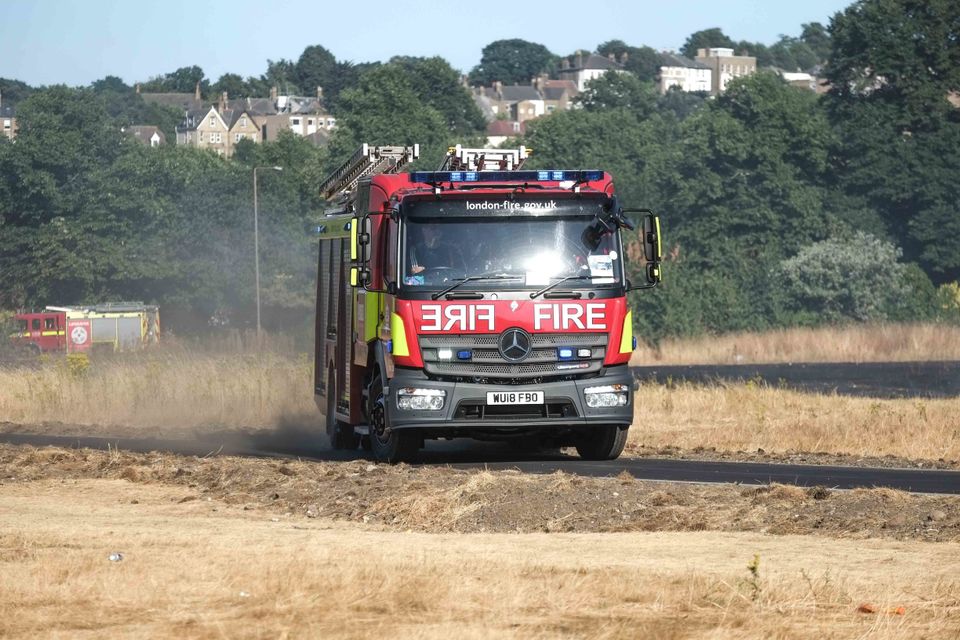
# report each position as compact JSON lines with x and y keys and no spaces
{"x":514,"y":344}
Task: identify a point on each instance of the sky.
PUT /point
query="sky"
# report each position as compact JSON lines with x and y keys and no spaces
{"x":75,"y":42}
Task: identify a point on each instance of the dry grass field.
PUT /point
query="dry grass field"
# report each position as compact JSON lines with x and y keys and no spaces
{"x":747,"y":417}
{"x":216,"y":547}
{"x":855,"y":343}
{"x":208,"y":553}
{"x":167,"y":389}
{"x":177,"y":391}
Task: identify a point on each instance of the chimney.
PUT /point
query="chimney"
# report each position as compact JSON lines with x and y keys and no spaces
{"x":612,"y":57}
{"x":223,"y":102}
{"x":578,"y":60}
{"x":623,"y":57}
{"x":701,"y":53}
{"x":196,"y":92}
{"x":138,"y":88}
{"x":273,"y":94}
{"x":564,"y":64}
{"x":498,"y":88}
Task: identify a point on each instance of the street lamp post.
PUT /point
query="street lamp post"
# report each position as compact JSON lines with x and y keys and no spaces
{"x":256,"y":242}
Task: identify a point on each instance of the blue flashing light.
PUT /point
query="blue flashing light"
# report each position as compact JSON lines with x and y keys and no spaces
{"x":434,"y":177}
{"x":464,"y":355}
{"x":565,"y":353}
{"x":389,"y":346}
{"x":634,"y":343}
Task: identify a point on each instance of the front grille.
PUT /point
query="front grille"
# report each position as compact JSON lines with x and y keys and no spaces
{"x":481,"y":411}
{"x":487,"y":362}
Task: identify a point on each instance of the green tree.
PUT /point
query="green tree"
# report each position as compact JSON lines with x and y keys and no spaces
{"x":615,"y":90}
{"x":817,"y":37}
{"x":437,"y":84}
{"x":317,"y":67}
{"x":894,"y":63}
{"x":643,"y":62}
{"x":705,"y":39}
{"x":512,"y":62}
{"x":856,"y":278}
{"x":680,"y":103}
{"x":384,"y":108}
{"x":792,"y":54}
{"x":283,"y":75}
{"x":183,"y":80}
{"x":742,"y":186}
{"x":620,"y":141}
{"x":234,"y":86}
{"x":13,"y":91}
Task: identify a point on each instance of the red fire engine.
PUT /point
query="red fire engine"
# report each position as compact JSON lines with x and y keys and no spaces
{"x":480,"y":300}
{"x":115,"y":326}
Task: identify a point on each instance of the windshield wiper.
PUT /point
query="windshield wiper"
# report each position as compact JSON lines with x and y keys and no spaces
{"x":576,"y":276}
{"x":482,"y":276}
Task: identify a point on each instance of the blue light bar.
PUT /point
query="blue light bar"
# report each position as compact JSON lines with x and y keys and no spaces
{"x":434,"y":177}
{"x":565,"y":353}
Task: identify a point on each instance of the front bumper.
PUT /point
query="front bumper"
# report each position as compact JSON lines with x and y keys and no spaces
{"x":465,"y":406}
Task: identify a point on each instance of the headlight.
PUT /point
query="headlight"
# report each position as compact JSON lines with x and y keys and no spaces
{"x":611,"y":395}
{"x":413,"y":399}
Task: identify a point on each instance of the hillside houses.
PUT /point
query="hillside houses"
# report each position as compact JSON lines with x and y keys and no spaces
{"x":224,"y":124}
{"x":581,"y":68}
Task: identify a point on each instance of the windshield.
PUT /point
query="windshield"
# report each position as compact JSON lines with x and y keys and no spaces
{"x":535,"y":248}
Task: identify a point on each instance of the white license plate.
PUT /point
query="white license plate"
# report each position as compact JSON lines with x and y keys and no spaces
{"x":515,"y":397}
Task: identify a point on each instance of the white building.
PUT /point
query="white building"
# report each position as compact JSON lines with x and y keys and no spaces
{"x":679,"y":71}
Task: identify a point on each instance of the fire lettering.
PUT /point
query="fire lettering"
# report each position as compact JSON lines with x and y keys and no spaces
{"x":430,"y":313}
{"x":456,"y":317}
{"x":563,"y":317}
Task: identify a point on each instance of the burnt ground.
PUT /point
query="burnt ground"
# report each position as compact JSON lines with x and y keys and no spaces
{"x":443,"y":499}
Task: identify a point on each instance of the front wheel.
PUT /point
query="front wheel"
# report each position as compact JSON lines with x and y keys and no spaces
{"x":388,"y":445}
{"x":602,"y":443}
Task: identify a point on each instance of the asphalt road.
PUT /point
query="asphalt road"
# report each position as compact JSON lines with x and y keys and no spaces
{"x":467,"y":454}
{"x":872,"y":379}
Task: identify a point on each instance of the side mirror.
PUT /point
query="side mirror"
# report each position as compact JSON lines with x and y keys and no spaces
{"x":360,"y":252}
{"x":649,"y":233}
{"x":651,"y":238}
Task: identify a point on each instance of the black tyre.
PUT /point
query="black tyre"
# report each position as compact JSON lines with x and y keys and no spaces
{"x":388,"y":445}
{"x":341,"y":435}
{"x":602,"y":443}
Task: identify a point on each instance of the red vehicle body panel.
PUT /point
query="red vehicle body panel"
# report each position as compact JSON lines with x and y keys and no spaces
{"x":494,"y":316}
{"x":46,"y":330}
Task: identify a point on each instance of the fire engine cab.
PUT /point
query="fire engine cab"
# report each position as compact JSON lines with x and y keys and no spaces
{"x":480,"y":300}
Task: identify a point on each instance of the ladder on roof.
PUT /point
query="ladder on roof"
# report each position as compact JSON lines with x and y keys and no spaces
{"x":367,"y":161}
{"x":460,"y":159}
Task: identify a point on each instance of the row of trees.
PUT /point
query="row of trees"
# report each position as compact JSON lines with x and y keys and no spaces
{"x":780,"y":207}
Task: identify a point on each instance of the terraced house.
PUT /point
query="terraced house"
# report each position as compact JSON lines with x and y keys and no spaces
{"x":223,"y":126}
